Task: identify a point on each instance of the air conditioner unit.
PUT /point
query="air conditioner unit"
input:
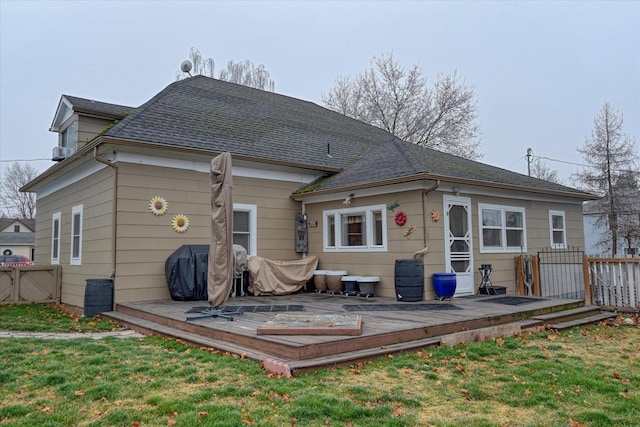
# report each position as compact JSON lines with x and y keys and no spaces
{"x":61,"y":153}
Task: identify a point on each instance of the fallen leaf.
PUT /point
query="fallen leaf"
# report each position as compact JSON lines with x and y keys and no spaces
{"x":171,"y":422}
{"x":79,"y":393}
{"x":500,"y":342}
{"x":574,"y":423}
{"x":398,"y":412}
{"x":460,"y":368}
{"x":464,"y":391}
{"x":135,"y":424}
{"x":616,"y":375}
{"x":203,"y":414}
{"x":527,"y":392}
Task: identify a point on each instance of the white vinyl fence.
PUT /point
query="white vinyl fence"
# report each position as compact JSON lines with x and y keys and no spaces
{"x":613,"y":282}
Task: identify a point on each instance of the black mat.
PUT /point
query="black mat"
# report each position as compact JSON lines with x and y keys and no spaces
{"x":512,"y":300}
{"x":399,"y":307}
{"x":251,"y":308}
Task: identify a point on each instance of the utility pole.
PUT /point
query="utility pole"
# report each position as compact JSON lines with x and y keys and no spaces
{"x":529,"y":156}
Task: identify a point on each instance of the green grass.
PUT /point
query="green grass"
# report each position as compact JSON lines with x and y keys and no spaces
{"x":49,"y":318}
{"x":586,"y":376}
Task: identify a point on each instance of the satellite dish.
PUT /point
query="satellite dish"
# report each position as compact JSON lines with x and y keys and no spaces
{"x":185,"y":66}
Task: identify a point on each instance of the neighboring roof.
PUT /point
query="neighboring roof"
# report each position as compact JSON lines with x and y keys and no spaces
{"x":207,"y":114}
{"x":29,"y":223}
{"x":397,"y":159}
{"x":7,"y":238}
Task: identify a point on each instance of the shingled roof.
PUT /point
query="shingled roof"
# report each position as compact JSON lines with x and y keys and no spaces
{"x":202,"y":113}
{"x":396,"y":159}
{"x":210,"y":115}
{"x":90,"y":106}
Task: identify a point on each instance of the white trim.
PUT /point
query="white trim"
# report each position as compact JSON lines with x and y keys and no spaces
{"x":76,"y":210}
{"x":253,"y":225}
{"x":464,"y":280}
{"x":239,"y":168}
{"x":55,"y":240}
{"x":503,"y":229}
{"x":554,"y":245}
{"x":368,"y":212}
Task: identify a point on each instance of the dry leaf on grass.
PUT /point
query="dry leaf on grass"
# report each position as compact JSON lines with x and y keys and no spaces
{"x":574,"y":423}
{"x":79,"y":393}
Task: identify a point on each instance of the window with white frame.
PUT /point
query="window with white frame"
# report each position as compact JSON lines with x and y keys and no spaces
{"x":76,"y":235}
{"x":355,"y":229}
{"x":245,"y":227}
{"x":502,"y":228}
{"x":55,"y":238}
{"x":558,"y":229}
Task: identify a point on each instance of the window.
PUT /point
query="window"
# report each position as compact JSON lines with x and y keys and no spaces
{"x":76,"y":235}
{"x":55,"y":238}
{"x":69,"y":136}
{"x":558,"y":229}
{"x":502,"y":228}
{"x":245,"y":227}
{"x":355,"y":229}
{"x":16,"y":228}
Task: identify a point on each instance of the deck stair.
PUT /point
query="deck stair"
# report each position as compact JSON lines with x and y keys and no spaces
{"x":567,"y":319}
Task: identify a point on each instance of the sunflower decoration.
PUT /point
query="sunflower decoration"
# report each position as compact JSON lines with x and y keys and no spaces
{"x":180,"y":223}
{"x":158,"y":206}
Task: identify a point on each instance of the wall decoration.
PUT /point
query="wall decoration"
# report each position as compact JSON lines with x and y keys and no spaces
{"x":395,"y":205}
{"x":158,"y":206}
{"x":435,"y":215}
{"x":180,"y":223}
{"x":409,"y":231}
{"x":401,"y":219}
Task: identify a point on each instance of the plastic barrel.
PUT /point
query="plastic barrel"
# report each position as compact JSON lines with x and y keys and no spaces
{"x":409,"y":280}
{"x":444,"y":284}
{"x":98,"y":296}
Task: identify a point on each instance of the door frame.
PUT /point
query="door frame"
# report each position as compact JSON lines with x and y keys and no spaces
{"x":464,"y":281}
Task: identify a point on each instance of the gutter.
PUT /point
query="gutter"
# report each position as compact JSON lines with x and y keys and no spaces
{"x":114,"y":210}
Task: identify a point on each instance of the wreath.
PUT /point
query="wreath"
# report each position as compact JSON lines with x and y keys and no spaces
{"x":401,"y":218}
{"x":7,"y":252}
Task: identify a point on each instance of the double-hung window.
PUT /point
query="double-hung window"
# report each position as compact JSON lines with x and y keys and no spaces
{"x":55,"y":238}
{"x":557,"y":229}
{"x":76,"y":235}
{"x":362,"y":229}
{"x":502,"y":228}
{"x":244,"y":227}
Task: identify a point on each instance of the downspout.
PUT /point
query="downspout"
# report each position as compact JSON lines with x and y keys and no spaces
{"x":304,"y":212}
{"x":114,"y":222}
{"x":422,"y":252}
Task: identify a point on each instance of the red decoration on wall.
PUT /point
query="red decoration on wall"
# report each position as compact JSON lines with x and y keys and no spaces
{"x":401,"y":218}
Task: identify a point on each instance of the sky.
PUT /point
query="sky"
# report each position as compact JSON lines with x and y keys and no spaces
{"x":540,"y":70}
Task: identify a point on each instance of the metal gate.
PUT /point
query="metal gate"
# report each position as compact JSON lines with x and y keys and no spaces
{"x":561,"y":273}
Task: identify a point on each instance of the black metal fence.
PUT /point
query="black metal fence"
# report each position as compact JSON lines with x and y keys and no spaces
{"x":561,"y":273}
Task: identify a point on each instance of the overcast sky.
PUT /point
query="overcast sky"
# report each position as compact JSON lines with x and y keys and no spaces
{"x":541,"y":70}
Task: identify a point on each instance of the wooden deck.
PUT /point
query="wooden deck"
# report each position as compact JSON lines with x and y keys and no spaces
{"x":387,"y":326}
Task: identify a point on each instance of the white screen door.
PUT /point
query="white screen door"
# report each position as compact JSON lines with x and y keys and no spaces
{"x":458,"y":242}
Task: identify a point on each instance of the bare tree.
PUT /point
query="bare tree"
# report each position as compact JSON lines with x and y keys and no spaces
{"x":610,"y":158}
{"x":542,"y":171}
{"x":244,"y":73}
{"x":398,"y":100}
{"x":16,"y":203}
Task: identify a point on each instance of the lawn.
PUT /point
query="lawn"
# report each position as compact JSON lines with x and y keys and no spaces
{"x":585,"y":376}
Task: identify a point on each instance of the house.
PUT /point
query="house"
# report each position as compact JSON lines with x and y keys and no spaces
{"x":597,"y":237}
{"x":368,"y":198}
{"x":17,"y":236}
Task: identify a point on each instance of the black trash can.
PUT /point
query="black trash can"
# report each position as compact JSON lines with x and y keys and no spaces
{"x":409,"y":280}
{"x":98,"y":297}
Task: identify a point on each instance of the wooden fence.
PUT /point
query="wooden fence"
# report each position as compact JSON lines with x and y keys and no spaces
{"x":613,"y":282}
{"x":32,"y":283}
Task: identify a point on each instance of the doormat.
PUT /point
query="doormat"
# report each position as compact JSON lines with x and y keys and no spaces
{"x":512,"y":300}
{"x":399,"y":307}
{"x":312,"y":324}
{"x":251,"y":308}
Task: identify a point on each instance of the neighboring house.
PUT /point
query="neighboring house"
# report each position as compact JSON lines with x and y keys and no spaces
{"x":597,"y":237}
{"x":17,"y":237}
{"x":290,"y":157}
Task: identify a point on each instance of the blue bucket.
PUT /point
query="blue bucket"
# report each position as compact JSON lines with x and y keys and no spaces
{"x":444,"y":284}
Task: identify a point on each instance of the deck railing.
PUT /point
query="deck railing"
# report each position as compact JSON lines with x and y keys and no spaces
{"x":612,"y":282}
